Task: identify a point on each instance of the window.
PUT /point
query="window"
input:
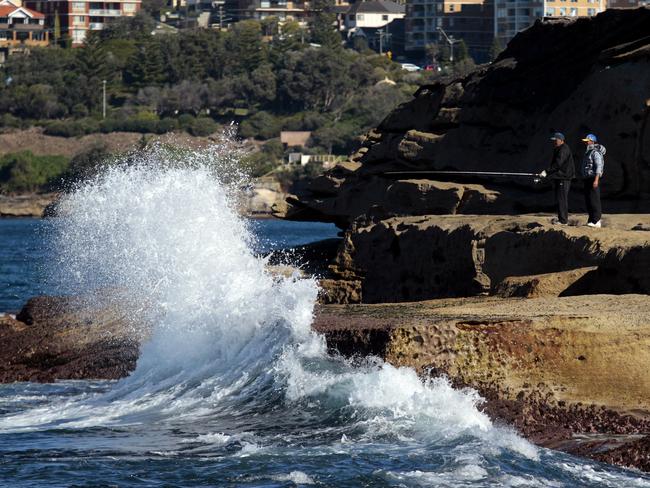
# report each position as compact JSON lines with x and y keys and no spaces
{"x":562,"y":12}
{"x":452,"y":7}
{"x":439,"y":7}
{"x":591,"y":11}
{"x":79,"y":6}
{"x":574,"y":12}
{"x":550,"y":12}
{"x":78,"y":36}
{"x":501,"y":13}
{"x":79,"y":19}
{"x":359,"y":16}
{"x":384,"y":17}
{"x":128,"y":7}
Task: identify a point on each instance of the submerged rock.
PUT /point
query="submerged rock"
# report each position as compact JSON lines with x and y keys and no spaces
{"x":55,"y":338}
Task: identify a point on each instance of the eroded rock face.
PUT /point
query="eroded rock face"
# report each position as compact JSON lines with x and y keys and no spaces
{"x":587,"y":75}
{"x":419,"y":258}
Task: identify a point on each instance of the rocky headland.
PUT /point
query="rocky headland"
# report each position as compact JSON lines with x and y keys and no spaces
{"x":468,"y":278}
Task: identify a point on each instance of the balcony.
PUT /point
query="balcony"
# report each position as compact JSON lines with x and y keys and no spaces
{"x":105,"y":12}
{"x":96,"y":26}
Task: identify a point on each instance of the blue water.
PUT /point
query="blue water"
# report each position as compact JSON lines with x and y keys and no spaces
{"x":278,"y":413}
{"x":24,"y":253}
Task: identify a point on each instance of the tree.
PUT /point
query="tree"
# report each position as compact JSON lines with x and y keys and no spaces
{"x":495,"y":49}
{"x":245,"y":50}
{"x":145,"y":67}
{"x":324,"y":25}
{"x":461,"y":51}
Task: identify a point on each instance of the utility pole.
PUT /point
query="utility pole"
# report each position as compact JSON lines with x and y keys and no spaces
{"x":383,"y":34}
{"x":220,"y":17}
{"x":103,"y":99}
{"x":451,"y":41}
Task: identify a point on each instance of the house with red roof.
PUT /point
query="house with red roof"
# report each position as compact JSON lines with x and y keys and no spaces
{"x":20,"y":27}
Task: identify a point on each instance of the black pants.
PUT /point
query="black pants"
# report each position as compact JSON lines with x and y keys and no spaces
{"x":592,"y":200}
{"x":562,"y":198}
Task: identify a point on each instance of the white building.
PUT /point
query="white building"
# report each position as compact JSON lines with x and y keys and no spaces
{"x":372,"y":14}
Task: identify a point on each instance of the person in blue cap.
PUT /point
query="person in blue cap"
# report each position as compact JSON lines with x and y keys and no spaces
{"x":561,"y":171}
{"x":593,"y":164}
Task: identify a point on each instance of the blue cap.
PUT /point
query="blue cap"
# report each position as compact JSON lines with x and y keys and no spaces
{"x":557,"y":136}
{"x":590,"y":137}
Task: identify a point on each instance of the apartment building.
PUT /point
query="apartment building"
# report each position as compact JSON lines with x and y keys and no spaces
{"x":77,"y":17}
{"x":479,"y":22}
{"x":627,"y":3}
{"x":514,"y":16}
{"x":470,"y":20}
{"x":298,"y":10}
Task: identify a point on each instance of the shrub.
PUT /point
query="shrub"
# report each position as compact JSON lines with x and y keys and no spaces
{"x":261,"y":125}
{"x":202,"y":126}
{"x":26,"y":172}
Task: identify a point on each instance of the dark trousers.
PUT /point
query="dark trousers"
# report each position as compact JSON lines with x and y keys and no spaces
{"x":592,"y":200}
{"x":562,"y":198}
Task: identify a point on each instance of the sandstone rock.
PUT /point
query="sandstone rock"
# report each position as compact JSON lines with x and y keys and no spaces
{"x":543,"y":285}
{"x":25,"y":205}
{"x":339,"y":291}
{"x":551,"y":367}
{"x":418,"y":258}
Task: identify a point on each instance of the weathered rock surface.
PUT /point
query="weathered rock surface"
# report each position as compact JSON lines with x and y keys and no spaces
{"x":262,"y":196}
{"x":25,"y":205}
{"x":568,"y":373}
{"x":55,"y":338}
{"x":418,"y":258}
{"x":541,"y":285}
{"x":586,"y":75}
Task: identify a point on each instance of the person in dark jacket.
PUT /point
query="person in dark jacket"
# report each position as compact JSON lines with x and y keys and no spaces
{"x":593,"y":164}
{"x":561,"y":171}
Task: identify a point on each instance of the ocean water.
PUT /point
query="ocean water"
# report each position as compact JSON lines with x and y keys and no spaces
{"x":232,"y":388}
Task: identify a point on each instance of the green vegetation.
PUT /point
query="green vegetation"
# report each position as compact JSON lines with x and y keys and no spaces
{"x":264,"y":77}
{"x":26,"y":172}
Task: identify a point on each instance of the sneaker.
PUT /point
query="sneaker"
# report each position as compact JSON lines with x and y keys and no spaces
{"x":597,"y":225}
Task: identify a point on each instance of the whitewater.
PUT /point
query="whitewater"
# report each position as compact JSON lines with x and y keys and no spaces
{"x":232,"y":387}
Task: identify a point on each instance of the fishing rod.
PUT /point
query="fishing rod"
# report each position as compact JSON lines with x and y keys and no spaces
{"x":461,"y":173}
{"x":497,"y":174}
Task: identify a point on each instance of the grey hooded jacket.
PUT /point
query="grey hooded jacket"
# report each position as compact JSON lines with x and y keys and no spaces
{"x":593,"y":162}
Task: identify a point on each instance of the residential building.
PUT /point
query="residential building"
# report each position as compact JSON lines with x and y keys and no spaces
{"x":20,"y":28}
{"x":372,"y":14}
{"x":512,"y":17}
{"x":283,"y":10}
{"x":479,"y":22}
{"x":469,"y":20}
{"x":77,"y":17}
{"x":627,"y":3}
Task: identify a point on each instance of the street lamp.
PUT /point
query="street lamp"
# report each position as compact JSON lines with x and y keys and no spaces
{"x":103,"y":99}
{"x":451,"y":41}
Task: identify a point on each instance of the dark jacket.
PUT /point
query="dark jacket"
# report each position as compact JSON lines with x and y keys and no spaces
{"x":562,"y":166}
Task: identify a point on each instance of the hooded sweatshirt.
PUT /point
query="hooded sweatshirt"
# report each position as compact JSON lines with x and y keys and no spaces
{"x":593,"y":161}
